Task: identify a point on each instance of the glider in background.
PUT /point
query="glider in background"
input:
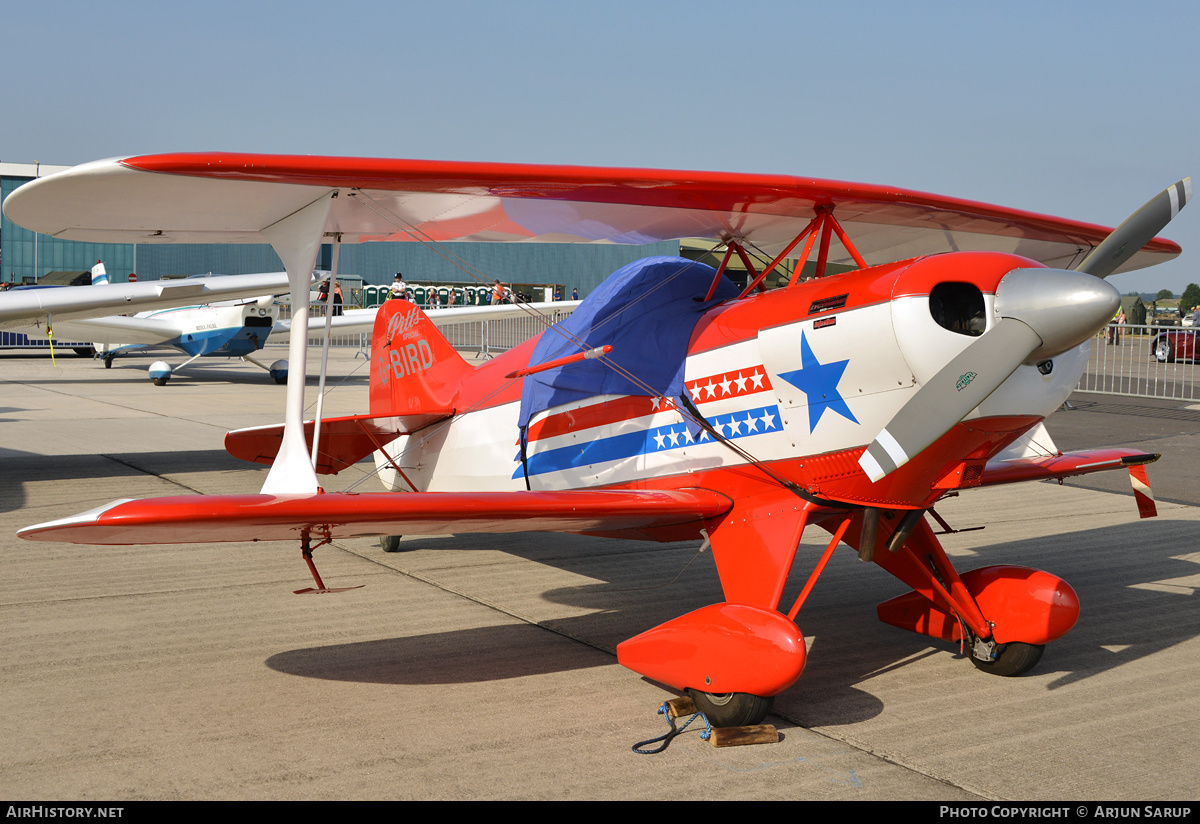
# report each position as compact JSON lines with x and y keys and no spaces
{"x":235,"y":328}
{"x":199,"y":316}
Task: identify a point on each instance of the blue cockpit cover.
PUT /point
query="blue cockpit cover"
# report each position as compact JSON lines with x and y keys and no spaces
{"x":646,"y":311}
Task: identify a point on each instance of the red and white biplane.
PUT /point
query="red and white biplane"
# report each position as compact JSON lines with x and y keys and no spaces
{"x":672,"y":405}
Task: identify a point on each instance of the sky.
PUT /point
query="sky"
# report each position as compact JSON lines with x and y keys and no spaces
{"x":1073,"y":109}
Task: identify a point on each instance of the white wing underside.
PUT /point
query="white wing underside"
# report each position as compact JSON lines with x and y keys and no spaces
{"x":234,"y":198}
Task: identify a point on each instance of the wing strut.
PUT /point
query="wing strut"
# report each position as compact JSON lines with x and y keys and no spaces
{"x":749,"y":264}
{"x":800,"y":261}
{"x":795,"y":241}
{"x":816,"y":573}
{"x":337,"y":246}
{"x":841,"y":233}
{"x":712,"y":290}
{"x":830,"y":226}
{"x":297,"y":239}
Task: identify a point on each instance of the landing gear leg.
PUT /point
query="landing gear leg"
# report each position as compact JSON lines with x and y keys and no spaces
{"x":306,"y":549}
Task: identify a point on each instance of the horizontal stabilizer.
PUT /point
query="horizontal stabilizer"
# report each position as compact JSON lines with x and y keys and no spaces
{"x":344,"y":441}
{"x":188,"y":519}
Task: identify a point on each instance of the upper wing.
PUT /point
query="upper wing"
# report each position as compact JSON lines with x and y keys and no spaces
{"x":187,"y":518}
{"x":362,"y":321}
{"x":231,"y":198}
{"x":36,"y":307}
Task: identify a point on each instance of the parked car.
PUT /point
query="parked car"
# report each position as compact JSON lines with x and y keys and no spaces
{"x":1172,"y":346}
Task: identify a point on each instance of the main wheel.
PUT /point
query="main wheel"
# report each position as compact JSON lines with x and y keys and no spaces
{"x":1164,"y":352}
{"x":1012,"y":659}
{"x":390,"y":543}
{"x":731,"y":709}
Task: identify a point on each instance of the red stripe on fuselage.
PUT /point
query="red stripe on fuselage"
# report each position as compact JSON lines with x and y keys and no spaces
{"x":598,"y":414}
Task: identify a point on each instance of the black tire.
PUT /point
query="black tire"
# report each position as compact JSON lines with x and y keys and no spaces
{"x":108,"y":363}
{"x":1164,"y":352}
{"x":390,"y":543}
{"x":1012,"y":659}
{"x":732,"y":709}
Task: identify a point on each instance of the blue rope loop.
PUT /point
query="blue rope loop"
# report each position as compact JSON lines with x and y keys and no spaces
{"x":669,"y":736}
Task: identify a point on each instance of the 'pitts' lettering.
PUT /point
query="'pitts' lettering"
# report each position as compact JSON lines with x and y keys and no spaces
{"x":401,"y":323}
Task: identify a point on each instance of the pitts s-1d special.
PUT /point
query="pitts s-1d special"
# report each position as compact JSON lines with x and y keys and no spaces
{"x":672,"y":405}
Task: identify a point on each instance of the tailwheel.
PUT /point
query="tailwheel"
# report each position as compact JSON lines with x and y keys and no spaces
{"x":731,"y":709}
{"x":390,"y":543}
{"x":1012,"y":659}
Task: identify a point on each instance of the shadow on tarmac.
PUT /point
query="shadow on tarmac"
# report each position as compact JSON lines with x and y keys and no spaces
{"x":1123,"y":575}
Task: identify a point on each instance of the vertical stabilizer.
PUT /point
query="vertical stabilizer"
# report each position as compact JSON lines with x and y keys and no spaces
{"x":414,"y":369}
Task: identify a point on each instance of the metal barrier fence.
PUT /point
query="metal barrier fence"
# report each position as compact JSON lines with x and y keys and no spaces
{"x":1143,"y":362}
{"x":491,"y":337}
{"x":484,"y":338}
{"x":1136,"y":361}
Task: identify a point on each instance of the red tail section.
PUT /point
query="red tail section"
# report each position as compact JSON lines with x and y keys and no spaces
{"x":414,"y":369}
{"x":415,"y":374}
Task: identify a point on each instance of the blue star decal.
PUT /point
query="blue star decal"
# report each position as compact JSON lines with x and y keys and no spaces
{"x":818,"y":382}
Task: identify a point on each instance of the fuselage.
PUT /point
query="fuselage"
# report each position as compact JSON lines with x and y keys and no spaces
{"x":230,"y":329}
{"x":800,"y":378}
{"x":221,"y":329}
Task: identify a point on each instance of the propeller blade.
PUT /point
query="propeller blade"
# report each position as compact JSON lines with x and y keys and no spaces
{"x":960,"y":386}
{"x":1138,"y":230}
{"x":1042,"y":312}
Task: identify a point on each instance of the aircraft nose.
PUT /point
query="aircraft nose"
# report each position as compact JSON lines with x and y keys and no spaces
{"x":1062,"y":307}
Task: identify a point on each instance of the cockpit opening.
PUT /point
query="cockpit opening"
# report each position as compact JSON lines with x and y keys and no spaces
{"x":958,"y":307}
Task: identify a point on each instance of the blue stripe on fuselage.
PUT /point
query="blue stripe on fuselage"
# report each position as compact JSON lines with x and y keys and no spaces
{"x":732,"y":426}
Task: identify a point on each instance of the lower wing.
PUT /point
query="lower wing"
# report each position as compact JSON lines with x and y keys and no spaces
{"x":1069,"y":464}
{"x":190,"y":519}
{"x":1063,"y":465}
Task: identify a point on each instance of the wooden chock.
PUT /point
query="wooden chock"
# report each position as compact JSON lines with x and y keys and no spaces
{"x":741,"y":736}
{"x":679,"y":707}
